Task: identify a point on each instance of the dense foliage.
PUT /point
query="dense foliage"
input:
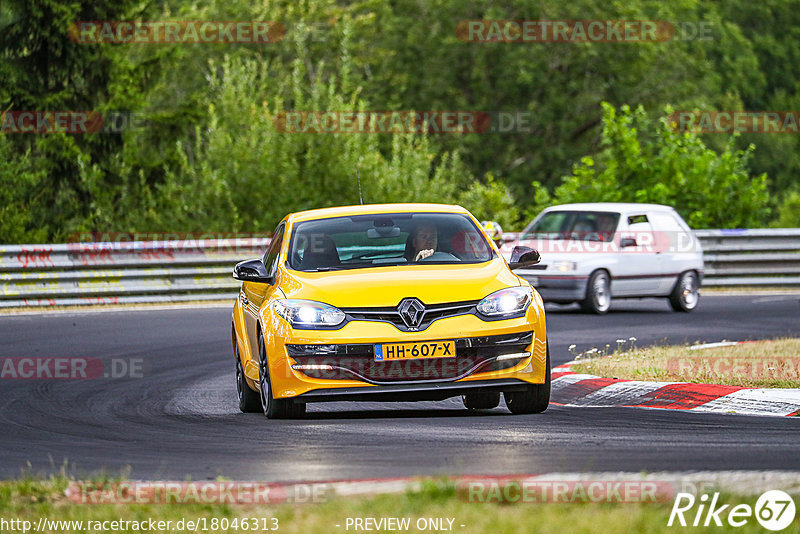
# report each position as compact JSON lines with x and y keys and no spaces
{"x":208,"y":155}
{"x":642,"y":160}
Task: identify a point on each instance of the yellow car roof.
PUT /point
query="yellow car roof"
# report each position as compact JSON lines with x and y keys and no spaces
{"x":345,"y":211}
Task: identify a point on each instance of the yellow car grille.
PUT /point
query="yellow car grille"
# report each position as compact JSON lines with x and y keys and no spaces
{"x":357,"y":361}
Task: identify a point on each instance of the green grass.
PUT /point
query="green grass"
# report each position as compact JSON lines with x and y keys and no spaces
{"x":30,"y":499}
{"x":767,"y":364}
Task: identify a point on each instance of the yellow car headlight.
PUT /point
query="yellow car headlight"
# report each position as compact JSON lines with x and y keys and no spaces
{"x":509,"y":301}
{"x":308,"y":313}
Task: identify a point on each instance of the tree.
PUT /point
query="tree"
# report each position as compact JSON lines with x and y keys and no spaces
{"x":788,"y":211}
{"x":42,"y":69}
{"x":645,"y":160}
{"x":20,"y":180}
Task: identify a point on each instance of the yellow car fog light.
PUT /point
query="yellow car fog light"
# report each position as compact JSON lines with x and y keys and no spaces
{"x":513,"y":356}
{"x":312,"y":367}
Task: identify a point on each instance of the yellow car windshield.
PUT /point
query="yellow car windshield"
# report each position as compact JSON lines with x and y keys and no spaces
{"x":386,"y":239}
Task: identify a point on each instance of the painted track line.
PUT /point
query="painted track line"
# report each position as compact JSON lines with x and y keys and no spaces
{"x":573,"y":389}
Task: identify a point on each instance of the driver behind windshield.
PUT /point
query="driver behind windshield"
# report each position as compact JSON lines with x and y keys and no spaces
{"x":425,"y":240}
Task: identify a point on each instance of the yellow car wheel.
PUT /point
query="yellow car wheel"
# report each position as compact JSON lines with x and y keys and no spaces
{"x":249,"y":400}
{"x":534,"y":399}
{"x":274,"y":408}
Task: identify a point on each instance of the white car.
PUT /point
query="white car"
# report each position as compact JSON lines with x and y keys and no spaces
{"x":595,"y":251}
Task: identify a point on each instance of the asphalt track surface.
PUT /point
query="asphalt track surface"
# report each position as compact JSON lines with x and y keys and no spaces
{"x":180,"y":419}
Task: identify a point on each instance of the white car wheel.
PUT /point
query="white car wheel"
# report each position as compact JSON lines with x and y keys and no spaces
{"x":686,"y":293}
{"x":598,"y":293}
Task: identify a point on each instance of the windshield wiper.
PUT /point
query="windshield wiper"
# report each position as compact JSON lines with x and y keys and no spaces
{"x":329,"y":268}
{"x":345,"y":267}
{"x":373,"y":255}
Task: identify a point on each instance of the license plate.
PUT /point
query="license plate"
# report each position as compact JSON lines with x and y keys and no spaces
{"x":415,"y":351}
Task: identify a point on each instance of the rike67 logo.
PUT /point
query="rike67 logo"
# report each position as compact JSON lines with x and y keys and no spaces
{"x":774,"y":510}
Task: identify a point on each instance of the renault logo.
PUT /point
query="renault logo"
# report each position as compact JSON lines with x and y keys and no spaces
{"x":411,"y":311}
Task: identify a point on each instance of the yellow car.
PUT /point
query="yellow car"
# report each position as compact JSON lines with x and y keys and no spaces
{"x":390,"y":302}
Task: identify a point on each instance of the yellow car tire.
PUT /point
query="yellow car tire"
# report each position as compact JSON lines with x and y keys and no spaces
{"x":249,"y":400}
{"x":534,"y":399}
{"x":274,"y":408}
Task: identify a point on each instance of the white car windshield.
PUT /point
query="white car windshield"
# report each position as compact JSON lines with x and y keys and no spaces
{"x":578,"y":225}
{"x":378,"y":240}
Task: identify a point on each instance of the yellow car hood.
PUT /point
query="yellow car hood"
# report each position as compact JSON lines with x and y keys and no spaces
{"x":387,"y":286}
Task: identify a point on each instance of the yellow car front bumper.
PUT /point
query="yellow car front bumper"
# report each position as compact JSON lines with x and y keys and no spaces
{"x":317,"y":365}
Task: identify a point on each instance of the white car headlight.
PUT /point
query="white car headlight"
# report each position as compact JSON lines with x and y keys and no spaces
{"x":564,"y":266}
{"x":509,"y":301}
{"x":308,"y":313}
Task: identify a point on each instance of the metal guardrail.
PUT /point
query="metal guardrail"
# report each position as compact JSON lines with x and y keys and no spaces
{"x":757,"y":257}
{"x":175,"y":271}
{"x":122,"y":272}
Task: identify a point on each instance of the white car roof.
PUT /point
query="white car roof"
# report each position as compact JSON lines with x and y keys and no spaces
{"x":611,"y":206}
